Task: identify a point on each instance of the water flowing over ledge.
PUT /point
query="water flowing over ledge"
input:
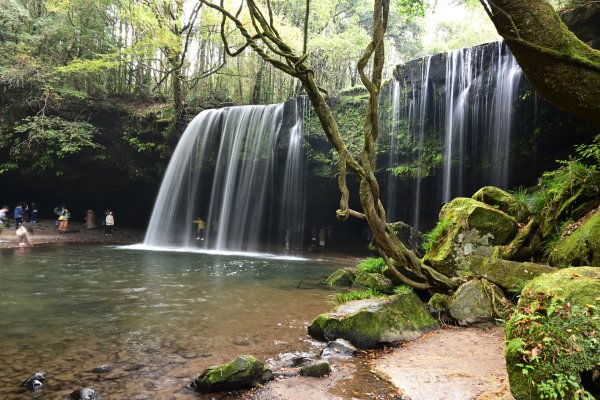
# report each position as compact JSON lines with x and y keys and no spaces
{"x":225,"y":172}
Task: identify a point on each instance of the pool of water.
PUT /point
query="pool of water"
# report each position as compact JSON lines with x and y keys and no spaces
{"x":157,"y":319}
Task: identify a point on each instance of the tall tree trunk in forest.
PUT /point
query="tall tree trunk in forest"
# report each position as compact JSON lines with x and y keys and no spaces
{"x":561,"y":68}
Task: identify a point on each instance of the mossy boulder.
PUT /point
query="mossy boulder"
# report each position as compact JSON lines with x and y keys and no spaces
{"x":342,"y":277}
{"x":373,"y":322}
{"x":554,"y":334}
{"x":470,"y":228}
{"x":504,"y":201}
{"x":316,"y":370}
{"x":438,"y":302}
{"x":374,"y":281}
{"x":475,"y":301}
{"x":581,"y":247}
{"x":509,"y":275}
{"x":243,"y":372}
{"x":525,"y":244}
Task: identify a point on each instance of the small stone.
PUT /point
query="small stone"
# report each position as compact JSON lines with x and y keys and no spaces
{"x":339,"y":348}
{"x":35,"y":381}
{"x":316,"y":370}
{"x":102,"y":369}
{"x":83,"y":394}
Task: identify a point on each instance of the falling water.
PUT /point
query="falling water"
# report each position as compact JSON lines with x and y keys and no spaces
{"x":409,"y":111}
{"x":224,"y":171}
{"x":293,"y":208}
{"x":473,"y":117}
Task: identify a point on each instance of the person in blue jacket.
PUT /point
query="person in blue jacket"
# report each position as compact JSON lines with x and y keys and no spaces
{"x":18,"y":216}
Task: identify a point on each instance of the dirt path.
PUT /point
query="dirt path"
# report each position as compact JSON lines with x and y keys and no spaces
{"x":449,"y":364}
{"x":45,"y":232}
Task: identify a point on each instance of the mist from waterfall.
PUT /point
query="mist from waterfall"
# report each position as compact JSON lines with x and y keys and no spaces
{"x":224,"y":171}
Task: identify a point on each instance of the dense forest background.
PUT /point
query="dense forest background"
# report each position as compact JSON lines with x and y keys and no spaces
{"x":94,"y":94}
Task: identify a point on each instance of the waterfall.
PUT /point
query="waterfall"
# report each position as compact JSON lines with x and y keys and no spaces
{"x":224,"y":171}
{"x":409,"y":112}
{"x":293,"y":209}
{"x":464,"y":99}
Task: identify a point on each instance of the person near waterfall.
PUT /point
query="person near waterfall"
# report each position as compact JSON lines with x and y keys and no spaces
{"x":109,"y":222}
{"x":200,"y":228}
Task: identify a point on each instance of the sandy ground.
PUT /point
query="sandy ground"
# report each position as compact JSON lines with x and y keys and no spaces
{"x":45,"y":232}
{"x":449,"y":364}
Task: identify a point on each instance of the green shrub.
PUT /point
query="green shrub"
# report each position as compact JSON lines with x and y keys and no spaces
{"x":403,"y":289}
{"x":553,"y":341}
{"x":371,"y":265}
{"x":357,"y":295}
{"x":431,"y":236}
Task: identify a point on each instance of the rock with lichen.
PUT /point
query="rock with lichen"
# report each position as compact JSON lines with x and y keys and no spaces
{"x":373,"y":322}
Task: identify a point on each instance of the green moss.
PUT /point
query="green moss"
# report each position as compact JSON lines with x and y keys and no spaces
{"x":505,"y":202}
{"x":581,"y":247}
{"x":369,"y":323}
{"x":345,"y":297}
{"x":375,"y":282}
{"x":341,"y":277}
{"x":510,"y":275}
{"x":243,"y":372}
{"x":460,"y":216}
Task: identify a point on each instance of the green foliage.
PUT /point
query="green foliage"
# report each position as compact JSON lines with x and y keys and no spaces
{"x":345,"y":297}
{"x":38,"y":143}
{"x":590,"y":152}
{"x":403,"y":289}
{"x":561,"y":190}
{"x":432,"y":236}
{"x":371,"y":265}
{"x":556,"y":341}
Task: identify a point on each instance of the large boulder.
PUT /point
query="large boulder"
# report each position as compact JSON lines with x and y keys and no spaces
{"x":509,"y":275}
{"x":373,"y":322}
{"x":581,"y":247}
{"x":374,"y":281}
{"x":553,"y":335}
{"x":409,"y":236}
{"x":470,"y":227}
{"x":243,"y":372}
{"x":342,"y":277}
{"x":504,"y":201}
{"x":475,"y":301}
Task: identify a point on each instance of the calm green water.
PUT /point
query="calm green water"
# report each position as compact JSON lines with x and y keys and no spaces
{"x":157,"y":318}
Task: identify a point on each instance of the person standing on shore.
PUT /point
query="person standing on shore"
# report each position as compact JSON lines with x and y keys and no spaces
{"x":4,"y":216}
{"x":90,"y":219}
{"x":109,"y":223}
{"x":18,"y":216}
{"x":34,"y":213}
{"x":63,"y":226}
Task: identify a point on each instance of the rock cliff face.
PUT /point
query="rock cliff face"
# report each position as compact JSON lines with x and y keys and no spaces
{"x":468,"y":118}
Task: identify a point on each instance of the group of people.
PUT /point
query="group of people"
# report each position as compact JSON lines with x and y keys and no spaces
{"x":21,"y":213}
{"x":319,"y":237}
{"x":64,"y":215}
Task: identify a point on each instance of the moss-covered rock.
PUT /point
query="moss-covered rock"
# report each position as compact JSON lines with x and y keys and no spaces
{"x":553,"y":337}
{"x":317,"y":369}
{"x":509,"y":275}
{"x":241,"y":373}
{"x":525,"y":244}
{"x":438,"y":302}
{"x":470,"y":228}
{"x":373,"y":322}
{"x":581,"y":247}
{"x":342,"y":277}
{"x":374,"y":281}
{"x":475,"y":301}
{"x":504,"y":201}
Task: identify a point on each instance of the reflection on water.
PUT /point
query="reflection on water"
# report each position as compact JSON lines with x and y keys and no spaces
{"x":157,"y":319}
